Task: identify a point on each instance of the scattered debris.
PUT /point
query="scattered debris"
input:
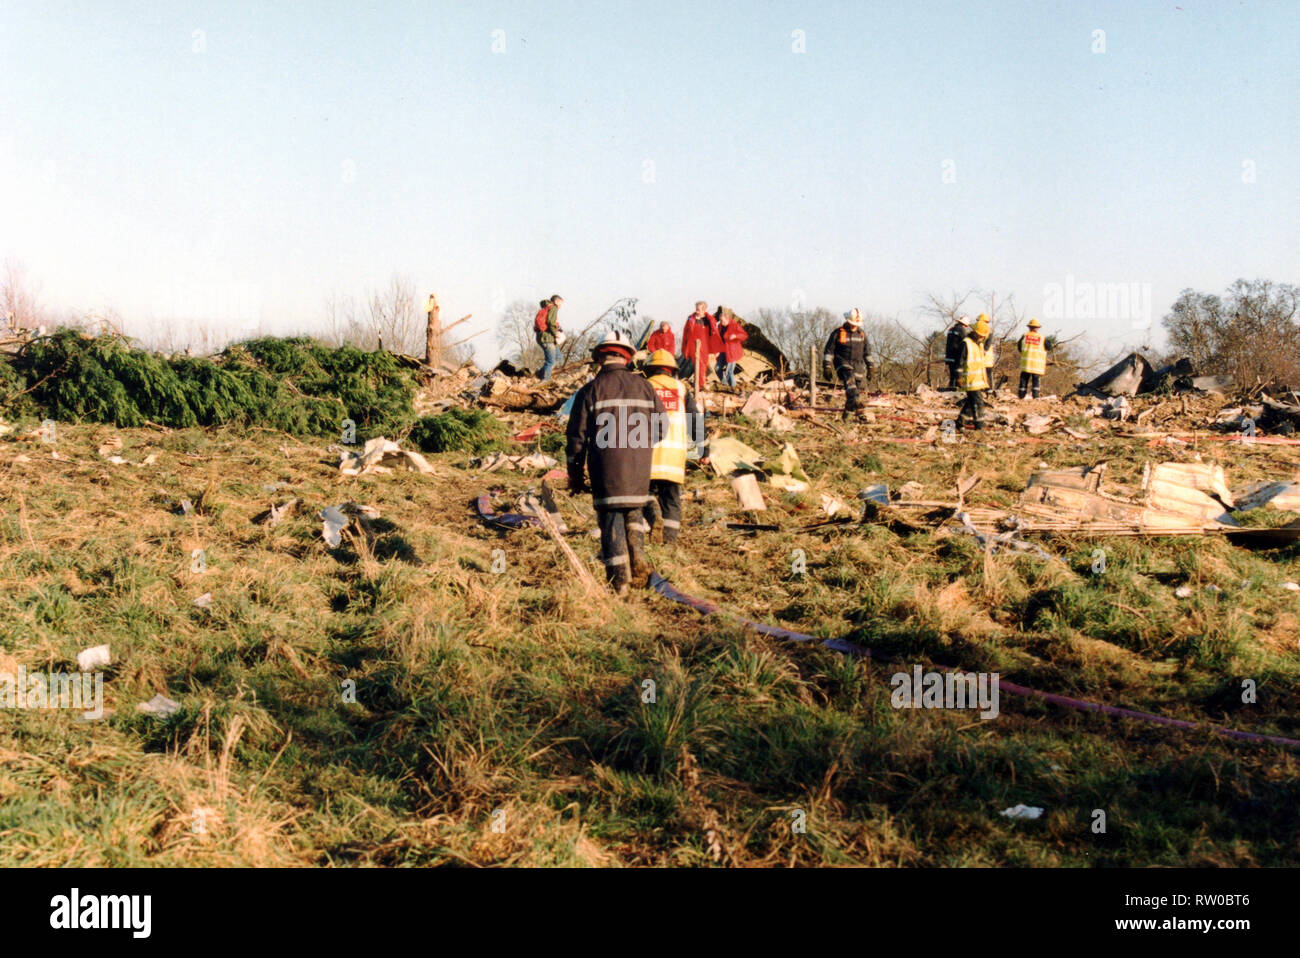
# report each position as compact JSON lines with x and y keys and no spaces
{"x":204,"y":601}
{"x":1037,"y":425}
{"x":745,"y":485}
{"x":337,"y":518}
{"x":381,"y":455}
{"x":272,"y":517}
{"x":1275,"y":495}
{"x":910,"y":490}
{"x":832,"y":505}
{"x":160,"y":705}
{"x":1022,"y":812}
{"x":727,"y":454}
{"x":500,"y":460}
{"x":93,"y":657}
{"x":786,"y":473}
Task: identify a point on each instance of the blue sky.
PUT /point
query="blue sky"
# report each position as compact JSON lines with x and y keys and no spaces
{"x":668,"y":151}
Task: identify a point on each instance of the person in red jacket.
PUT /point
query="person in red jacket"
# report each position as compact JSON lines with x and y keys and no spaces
{"x":662,"y":338}
{"x":731,"y":336}
{"x":695,"y":331}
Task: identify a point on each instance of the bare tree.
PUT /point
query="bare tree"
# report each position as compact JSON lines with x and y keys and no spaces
{"x":394,"y":317}
{"x":19,"y":305}
{"x":515,"y":336}
{"x":797,"y":332}
{"x":343,"y":323}
{"x":1250,"y":334}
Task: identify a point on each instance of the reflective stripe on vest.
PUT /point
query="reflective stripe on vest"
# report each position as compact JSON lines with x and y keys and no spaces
{"x":973,"y":374}
{"x":1033,"y":355}
{"x":668,"y":460}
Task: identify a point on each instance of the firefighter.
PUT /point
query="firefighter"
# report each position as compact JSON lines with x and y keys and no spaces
{"x":848,"y":355}
{"x":952,"y":348}
{"x":681,"y":427}
{"x":610,"y":434}
{"x":1033,"y":358}
{"x":972,"y":376}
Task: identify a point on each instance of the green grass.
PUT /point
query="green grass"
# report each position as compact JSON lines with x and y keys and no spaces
{"x":503,"y":718}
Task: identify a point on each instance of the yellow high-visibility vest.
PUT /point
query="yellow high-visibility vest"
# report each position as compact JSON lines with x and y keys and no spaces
{"x":668,"y":461}
{"x":1033,"y":353}
{"x":974,"y":368}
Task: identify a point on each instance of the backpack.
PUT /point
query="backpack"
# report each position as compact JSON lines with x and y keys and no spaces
{"x":539,"y":321}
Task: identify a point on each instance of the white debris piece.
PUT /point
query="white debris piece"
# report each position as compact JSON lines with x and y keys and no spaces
{"x":93,"y":657}
{"x":1022,"y":812}
{"x":379,"y":455}
{"x":832,"y":505}
{"x":334,"y":523}
{"x":204,"y":601}
{"x":1183,"y":592}
{"x":336,"y":519}
{"x":1291,"y":586}
{"x":160,"y":705}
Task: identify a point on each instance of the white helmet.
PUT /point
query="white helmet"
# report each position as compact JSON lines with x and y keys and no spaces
{"x":853,"y":317}
{"x":615,"y":342}
{"x":963,"y":320}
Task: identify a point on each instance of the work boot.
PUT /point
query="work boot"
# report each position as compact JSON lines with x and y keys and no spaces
{"x":619,"y":580}
{"x":640,"y":574}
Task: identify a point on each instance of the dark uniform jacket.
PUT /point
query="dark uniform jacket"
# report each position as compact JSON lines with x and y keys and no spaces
{"x":847,"y":346}
{"x":613,"y":426}
{"x":953,"y":346}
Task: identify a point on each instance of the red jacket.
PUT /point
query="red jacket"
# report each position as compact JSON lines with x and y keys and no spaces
{"x":695,"y":331}
{"x":715,"y":335}
{"x":733,"y":335}
{"x":662,"y":339}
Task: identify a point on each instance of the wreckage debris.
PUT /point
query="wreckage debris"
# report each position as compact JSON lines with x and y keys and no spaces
{"x":277,"y":513}
{"x":381,"y":455}
{"x":526,"y":463}
{"x":335,"y":519}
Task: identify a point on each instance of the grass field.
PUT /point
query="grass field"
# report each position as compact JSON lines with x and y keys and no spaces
{"x":499,"y":715}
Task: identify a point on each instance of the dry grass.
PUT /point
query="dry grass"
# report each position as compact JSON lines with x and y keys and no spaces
{"x":499,"y":718}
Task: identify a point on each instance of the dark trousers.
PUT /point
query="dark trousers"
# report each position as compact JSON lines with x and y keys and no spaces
{"x":1028,"y":379}
{"x":972,"y":408}
{"x":622,"y":544}
{"x":851,"y":377}
{"x":666,"y":503}
{"x":952,"y":373}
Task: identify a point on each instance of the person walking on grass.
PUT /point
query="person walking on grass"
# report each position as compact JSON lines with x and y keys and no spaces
{"x":848,"y":356}
{"x":682,"y":426}
{"x":611,"y":438}
{"x":546,"y":327}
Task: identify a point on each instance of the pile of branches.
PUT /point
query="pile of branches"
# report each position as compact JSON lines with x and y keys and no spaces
{"x":294,"y":385}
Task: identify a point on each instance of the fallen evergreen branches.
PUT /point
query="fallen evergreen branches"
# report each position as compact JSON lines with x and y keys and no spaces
{"x":296,"y":385}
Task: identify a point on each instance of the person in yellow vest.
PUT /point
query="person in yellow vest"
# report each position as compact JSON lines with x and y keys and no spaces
{"x":681,"y":427}
{"x":972,"y":375}
{"x":1033,"y":358}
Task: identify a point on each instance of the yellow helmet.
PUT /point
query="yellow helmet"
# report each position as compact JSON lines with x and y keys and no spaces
{"x":1034,"y":324}
{"x":982,"y":325}
{"x":662,"y":357}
